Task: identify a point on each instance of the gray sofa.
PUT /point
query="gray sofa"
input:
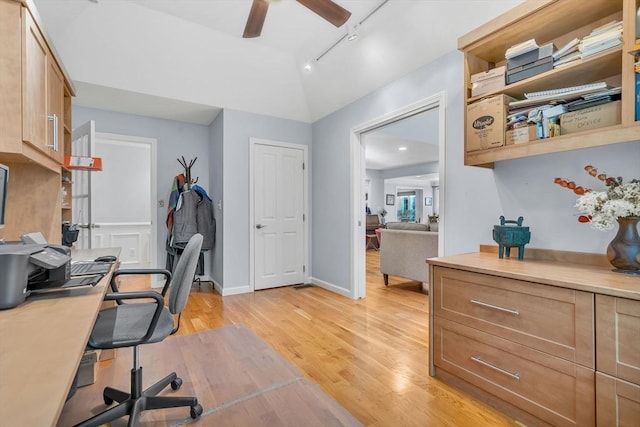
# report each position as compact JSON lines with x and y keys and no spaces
{"x":404,"y":248}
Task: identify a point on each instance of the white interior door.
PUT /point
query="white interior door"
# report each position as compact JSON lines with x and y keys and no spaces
{"x":82,"y":142}
{"x":278,"y":205}
{"x":123,"y":198}
{"x":115,"y":207}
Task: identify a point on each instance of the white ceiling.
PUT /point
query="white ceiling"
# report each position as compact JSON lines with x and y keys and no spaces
{"x":186,"y":59}
{"x":417,"y":134}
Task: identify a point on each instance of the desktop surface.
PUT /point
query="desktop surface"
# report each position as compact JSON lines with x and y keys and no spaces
{"x":43,"y":340}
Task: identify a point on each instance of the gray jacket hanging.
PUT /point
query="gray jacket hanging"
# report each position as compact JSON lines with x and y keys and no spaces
{"x":194,"y":215}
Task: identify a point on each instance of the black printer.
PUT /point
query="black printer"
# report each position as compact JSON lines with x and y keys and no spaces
{"x":25,"y":265}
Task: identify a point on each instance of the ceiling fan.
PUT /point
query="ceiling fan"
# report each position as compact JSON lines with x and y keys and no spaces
{"x":326,"y":9}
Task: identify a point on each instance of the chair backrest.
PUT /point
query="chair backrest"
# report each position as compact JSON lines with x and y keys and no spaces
{"x":373,"y":219}
{"x":183,"y":274}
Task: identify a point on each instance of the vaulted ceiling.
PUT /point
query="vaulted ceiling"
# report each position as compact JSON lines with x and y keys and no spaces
{"x":186,"y":59}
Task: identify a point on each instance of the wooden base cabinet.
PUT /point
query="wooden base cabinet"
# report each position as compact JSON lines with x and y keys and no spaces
{"x":547,"y":340}
{"x":618,"y":356}
{"x":518,"y":341}
{"x":618,"y":402}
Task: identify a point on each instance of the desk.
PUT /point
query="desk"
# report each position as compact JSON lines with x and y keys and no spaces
{"x":42,"y":342}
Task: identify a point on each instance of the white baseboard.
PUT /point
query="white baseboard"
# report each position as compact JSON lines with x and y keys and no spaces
{"x":333,"y":288}
{"x":235,"y":290}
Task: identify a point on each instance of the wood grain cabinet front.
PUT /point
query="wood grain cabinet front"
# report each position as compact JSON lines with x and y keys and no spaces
{"x":618,"y":361}
{"x":555,"y":390}
{"x":554,"y":320}
{"x":34,"y":88}
{"x":617,"y":402}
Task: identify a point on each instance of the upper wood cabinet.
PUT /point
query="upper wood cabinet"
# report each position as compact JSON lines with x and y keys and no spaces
{"x":36,"y":88}
{"x":35,"y":124}
{"x":558,"y":22}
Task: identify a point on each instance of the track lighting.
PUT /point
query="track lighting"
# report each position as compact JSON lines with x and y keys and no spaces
{"x":352,"y":32}
{"x":351,"y":35}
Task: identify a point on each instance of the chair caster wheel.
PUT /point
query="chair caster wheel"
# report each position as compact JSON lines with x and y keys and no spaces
{"x":176,"y":384}
{"x":196,"y":411}
{"x":107,"y":400}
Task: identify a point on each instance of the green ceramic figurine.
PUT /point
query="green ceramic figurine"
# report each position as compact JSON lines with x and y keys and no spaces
{"x":509,"y":236}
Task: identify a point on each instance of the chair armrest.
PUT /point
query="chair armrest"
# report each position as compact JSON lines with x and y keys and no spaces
{"x":140,"y":271}
{"x":159,"y":301}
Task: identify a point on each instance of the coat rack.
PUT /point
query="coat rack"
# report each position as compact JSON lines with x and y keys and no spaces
{"x":187,"y":171}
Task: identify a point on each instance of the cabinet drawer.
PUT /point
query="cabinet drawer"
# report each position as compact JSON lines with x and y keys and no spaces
{"x":617,"y":401}
{"x":618,"y":337}
{"x":554,"y":320}
{"x":555,"y":390}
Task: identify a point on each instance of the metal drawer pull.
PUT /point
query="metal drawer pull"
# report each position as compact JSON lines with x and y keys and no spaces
{"x":495,"y":307}
{"x":489,"y":365}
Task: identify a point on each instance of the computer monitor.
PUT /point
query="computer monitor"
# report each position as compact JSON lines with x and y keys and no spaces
{"x":4,"y":186}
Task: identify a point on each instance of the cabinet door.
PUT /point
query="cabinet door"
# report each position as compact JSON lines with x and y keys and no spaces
{"x":55,"y":91}
{"x":618,"y":337}
{"x":34,"y":84}
{"x":617,"y":402}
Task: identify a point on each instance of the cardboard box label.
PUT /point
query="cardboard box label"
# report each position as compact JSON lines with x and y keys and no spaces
{"x":590,"y":118}
{"x":521,"y":135}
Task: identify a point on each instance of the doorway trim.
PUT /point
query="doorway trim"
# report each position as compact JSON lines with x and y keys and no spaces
{"x":305,"y":205}
{"x":357,"y":214}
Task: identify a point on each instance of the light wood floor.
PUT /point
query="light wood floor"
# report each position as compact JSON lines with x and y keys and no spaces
{"x":370,"y":355}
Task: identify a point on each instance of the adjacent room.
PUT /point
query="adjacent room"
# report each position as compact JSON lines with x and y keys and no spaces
{"x":320,"y":212}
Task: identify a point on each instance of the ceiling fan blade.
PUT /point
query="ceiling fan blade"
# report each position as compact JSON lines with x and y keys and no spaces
{"x":255,"y":21}
{"x":327,"y":9}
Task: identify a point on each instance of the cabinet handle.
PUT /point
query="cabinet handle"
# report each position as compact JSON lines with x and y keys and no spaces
{"x":54,"y":118}
{"x":495,"y":307}
{"x":495,"y":368}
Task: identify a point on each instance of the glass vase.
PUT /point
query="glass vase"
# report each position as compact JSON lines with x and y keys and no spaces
{"x":624,"y":250}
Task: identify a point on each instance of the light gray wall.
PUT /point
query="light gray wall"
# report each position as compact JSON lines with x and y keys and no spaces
{"x":238,"y":128}
{"x":474,"y":197}
{"x":175,"y":139}
{"x":216,"y":135}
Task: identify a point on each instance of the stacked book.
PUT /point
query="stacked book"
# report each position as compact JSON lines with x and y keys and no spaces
{"x":567,"y":54}
{"x":607,"y":36}
{"x":487,"y":81}
{"x":527,"y":59}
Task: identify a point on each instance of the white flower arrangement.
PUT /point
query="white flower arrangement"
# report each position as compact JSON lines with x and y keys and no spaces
{"x":602,"y":209}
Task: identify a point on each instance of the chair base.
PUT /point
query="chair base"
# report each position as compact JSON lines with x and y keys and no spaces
{"x":141,"y":400}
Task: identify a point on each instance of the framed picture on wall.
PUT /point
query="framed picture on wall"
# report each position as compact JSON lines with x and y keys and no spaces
{"x":428,"y":201}
{"x":391,"y":199}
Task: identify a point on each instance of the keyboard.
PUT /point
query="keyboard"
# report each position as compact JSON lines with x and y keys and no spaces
{"x":90,"y":267}
{"x":71,"y":283}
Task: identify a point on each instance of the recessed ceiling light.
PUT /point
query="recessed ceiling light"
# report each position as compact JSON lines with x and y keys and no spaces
{"x":402,"y":148}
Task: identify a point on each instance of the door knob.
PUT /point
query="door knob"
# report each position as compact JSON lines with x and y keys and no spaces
{"x":259,"y":226}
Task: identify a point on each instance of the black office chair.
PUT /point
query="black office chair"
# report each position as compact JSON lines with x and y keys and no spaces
{"x":132,"y":324}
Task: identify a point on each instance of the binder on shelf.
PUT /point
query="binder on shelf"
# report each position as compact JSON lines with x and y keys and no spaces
{"x":541,"y":66}
{"x":530,"y":57}
{"x":582,"y":89}
{"x":83,"y":163}
{"x":637,"y":97}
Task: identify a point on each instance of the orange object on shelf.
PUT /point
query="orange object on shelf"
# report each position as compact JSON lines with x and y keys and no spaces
{"x":83,"y":163}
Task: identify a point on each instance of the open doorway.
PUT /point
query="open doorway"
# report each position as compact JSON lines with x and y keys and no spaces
{"x":389,"y":154}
